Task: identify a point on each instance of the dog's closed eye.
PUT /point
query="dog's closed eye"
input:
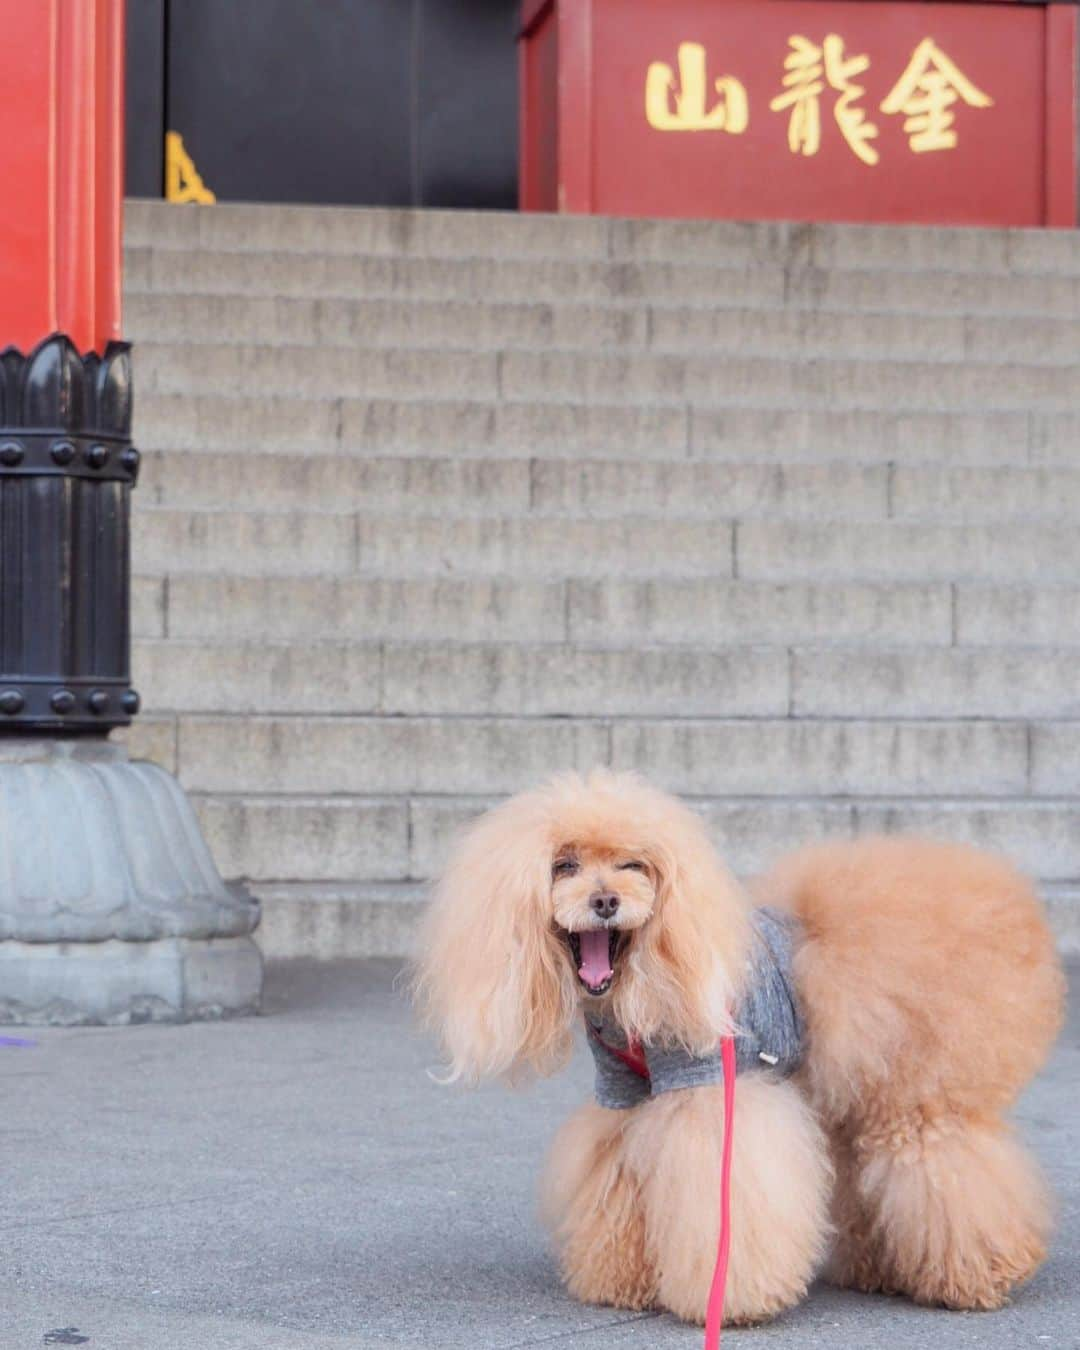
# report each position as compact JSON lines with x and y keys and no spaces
{"x":564,"y":867}
{"x":634,"y":865}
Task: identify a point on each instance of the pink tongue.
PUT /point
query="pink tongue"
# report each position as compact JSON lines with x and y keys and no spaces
{"x":595,"y":966}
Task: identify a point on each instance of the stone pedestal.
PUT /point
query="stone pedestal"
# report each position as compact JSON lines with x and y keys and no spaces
{"x":111,"y":908}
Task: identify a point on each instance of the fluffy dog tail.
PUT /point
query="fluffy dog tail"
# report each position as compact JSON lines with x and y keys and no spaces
{"x":932,"y":993}
{"x":928,"y":973}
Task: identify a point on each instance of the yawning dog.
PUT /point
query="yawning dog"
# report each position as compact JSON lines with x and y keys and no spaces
{"x":889,"y":998}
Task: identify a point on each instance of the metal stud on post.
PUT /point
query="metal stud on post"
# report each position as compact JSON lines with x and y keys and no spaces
{"x":67,"y":467}
{"x":111,"y":908}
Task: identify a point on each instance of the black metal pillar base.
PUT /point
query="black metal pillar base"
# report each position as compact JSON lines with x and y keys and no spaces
{"x":111,"y":908}
{"x":67,"y":467}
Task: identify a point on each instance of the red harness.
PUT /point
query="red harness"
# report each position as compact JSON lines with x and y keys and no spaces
{"x":634,"y":1058}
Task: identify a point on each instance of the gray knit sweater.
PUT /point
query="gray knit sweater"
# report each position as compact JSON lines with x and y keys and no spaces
{"x":768,"y":1035}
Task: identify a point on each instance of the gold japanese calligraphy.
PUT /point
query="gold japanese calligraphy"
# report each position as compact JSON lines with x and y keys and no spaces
{"x":925,"y":93}
{"x":803,"y":85}
{"x":731,"y":111}
{"x":809,"y":69}
{"x":840,"y":73}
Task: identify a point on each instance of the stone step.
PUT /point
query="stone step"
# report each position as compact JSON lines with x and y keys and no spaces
{"x":297,"y":543}
{"x":148,"y":606}
{"x":988,"y":493}
{"x":935,"y":294}
{"x":300,"y":425}
{"x":716,"y":286}
{"x":703,"y":612}
{"x":542,"y":280}
{"x":309,"y":838}
{"x":300,"y":543}
{"x":259,"y":228}
{"x":843,"y":756}
{"x":766,"y":382}
{"x":554,"y":678}
{"x":1055,"y":757}
{"x":451,"y":427}
{"x":222,"y":368}
{"x":904,"y":551}
{"x":586,"y":376}
{"x":446,"y":608}
{"x":467,"y":486}
{"x":1063,"y":906}
{"x":801,"y":333}
{"x":189,"y":480}
{"x":332,"y":921}
{"x":388,"y":322}
{"x":291,"y":544}
{"x":336,"y":921}
{"x":250,"y":228}
{"x":265,"y":676}
{"x":468,"y":679}
{"x":1039,"y":614}
{"x":374,"y":839}
{"x":876,"y":680}
{"x":753,"y":756}
{"x":823,"y":614}
{"x":276,"y":480}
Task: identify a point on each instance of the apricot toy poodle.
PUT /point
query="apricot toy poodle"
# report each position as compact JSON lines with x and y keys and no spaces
{"x":889,"y":999}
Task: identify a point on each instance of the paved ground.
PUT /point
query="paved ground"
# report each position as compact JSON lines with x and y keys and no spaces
{"x":296,"y":1181}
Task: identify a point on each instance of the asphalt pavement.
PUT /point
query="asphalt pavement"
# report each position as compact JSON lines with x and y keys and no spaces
{"x":298,"y":1181}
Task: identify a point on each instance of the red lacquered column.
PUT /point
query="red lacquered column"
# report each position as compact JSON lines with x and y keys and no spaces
{"x":61,"y":164}
{"x":67,"y":465}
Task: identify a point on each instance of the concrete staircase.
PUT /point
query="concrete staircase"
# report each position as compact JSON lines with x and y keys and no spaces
{"x":433,"y":504}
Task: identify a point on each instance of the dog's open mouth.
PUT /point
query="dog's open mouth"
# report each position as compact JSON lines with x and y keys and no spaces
{"x":595,"y":952}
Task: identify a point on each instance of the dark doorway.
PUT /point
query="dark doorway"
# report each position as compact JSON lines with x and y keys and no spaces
{"x":362,"y":102}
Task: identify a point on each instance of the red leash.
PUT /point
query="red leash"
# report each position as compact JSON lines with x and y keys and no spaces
{"x":714,"y":1315}
{"x":634,"y":1059}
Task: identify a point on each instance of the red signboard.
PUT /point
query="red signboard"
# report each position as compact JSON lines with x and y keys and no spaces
{"x":864,"y":110}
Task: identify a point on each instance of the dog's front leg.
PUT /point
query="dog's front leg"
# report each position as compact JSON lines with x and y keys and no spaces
{"x":592,"y":1203}
{"x":779,"y":1196}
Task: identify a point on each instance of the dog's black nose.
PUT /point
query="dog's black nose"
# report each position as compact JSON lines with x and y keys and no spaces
{"x":604,"y":904}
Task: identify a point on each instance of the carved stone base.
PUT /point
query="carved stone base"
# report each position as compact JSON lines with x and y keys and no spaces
{"x":111,"y":908}
{"x":171,"y":980}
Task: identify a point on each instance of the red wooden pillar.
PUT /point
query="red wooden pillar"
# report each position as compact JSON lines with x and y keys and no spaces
{"x":67,"y":465}
{"x":62,"y":167}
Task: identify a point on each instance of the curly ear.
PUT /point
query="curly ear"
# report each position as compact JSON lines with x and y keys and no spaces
{"x":491,"y":977}
{"x":689,"y":964}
